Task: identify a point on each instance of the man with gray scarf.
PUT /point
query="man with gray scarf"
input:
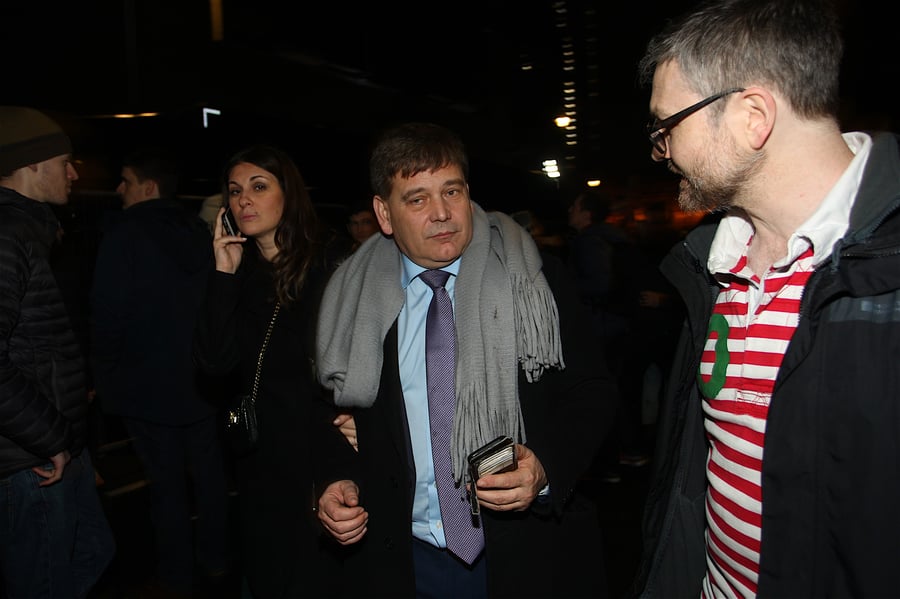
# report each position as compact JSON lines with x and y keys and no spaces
{"x":525,"y":368}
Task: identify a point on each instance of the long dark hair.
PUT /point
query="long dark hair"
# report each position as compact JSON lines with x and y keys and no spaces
{"x":297,"y":235}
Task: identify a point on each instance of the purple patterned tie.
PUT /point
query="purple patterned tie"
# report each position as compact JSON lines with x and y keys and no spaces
{"x":464,"y":539}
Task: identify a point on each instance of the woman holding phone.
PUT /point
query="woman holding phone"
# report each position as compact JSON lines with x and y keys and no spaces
{"x":277,"y":261}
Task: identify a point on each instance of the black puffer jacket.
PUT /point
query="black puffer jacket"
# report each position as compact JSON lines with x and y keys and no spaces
{"x":43,"y":400}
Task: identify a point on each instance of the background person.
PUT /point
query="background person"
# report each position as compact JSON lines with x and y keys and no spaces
{"x":547,"y":242}
{"x":152,"y":266}
{"x":55,"y":540}
{"x":610,"y":270}
{"x":361,"y":223}
{"x":778,"y":448}
{"x":209,"y":210}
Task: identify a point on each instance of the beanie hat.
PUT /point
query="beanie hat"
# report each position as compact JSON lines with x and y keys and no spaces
{"x":28,"y":136}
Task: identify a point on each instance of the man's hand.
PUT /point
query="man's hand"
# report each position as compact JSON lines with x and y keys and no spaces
{"x":55,"y":473}
{"x":515,"y":490}
{"x":341,"y":514}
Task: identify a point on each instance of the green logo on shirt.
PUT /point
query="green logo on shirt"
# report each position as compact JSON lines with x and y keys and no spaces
{"x":718,"y":326}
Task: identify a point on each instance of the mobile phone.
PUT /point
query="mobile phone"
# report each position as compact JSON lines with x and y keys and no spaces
{"x":494,"y":457}
{"x":229,"y":224}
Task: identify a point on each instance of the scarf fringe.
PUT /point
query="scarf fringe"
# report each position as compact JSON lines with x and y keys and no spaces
{"x":538,"y":348}
{"x":537,"y":334}
{"x":469,"y":408}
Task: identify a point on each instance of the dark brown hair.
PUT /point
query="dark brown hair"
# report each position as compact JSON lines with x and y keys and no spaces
{"x":412,"y":148}
{"x":297,"y":235}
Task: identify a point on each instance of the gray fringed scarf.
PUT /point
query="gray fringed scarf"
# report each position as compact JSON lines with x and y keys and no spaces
{"x":504,"y":310}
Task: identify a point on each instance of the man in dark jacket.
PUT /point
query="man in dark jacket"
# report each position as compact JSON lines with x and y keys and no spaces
{"x":777,"y":457}
{"x":523,"y":368}
{"x":151,"y":271}
{"x":55,"y":540}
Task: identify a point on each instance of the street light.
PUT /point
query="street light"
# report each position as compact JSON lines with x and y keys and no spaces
{"x":551,"y":169}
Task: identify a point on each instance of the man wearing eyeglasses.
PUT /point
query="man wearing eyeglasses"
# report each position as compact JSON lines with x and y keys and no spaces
{"x":777,"y":465}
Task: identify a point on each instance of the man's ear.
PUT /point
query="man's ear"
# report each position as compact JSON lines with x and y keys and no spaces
{"x":383,"y":213}
{"x":151,"y":188}
{"x":758,"y":118}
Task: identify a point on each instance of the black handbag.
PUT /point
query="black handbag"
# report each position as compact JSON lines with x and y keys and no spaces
{"x":241,"y":426}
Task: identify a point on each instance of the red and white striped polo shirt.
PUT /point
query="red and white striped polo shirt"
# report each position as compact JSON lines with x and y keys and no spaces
{"x":748,"y":335}
{"x":750,"y":329}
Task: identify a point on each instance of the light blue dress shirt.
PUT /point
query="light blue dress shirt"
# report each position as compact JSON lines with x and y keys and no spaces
{"x":426,"y":516}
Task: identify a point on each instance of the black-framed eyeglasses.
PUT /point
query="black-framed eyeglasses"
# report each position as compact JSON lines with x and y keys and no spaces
{"x":658,"y":130}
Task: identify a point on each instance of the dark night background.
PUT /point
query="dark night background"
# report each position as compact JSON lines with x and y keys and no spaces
{"x":321,"y":78}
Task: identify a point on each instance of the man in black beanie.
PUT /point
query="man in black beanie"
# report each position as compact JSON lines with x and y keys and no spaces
{"x":58,"y":542}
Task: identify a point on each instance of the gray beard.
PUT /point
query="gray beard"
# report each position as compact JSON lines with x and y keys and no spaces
{"x":714,"y":193}
{"x":694,"y":195}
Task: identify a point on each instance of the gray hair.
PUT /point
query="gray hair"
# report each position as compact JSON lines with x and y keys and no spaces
{"x":792,"y":46}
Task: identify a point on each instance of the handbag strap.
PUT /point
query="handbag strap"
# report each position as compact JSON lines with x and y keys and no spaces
{"x":262,"y":352}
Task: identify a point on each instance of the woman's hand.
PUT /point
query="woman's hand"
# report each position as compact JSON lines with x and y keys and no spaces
{"x":347,"y":426}
{"x":226,"y":248}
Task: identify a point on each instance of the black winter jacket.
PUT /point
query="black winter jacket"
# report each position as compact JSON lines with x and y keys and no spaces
{"x":43,"y":400}
{"x":831,"y":456}
{"x":149,"y":282}
{"x":282,"y":556}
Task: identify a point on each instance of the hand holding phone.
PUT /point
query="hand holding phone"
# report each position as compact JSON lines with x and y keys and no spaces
{"x":495,"y":457}
{"x":229,"y":224}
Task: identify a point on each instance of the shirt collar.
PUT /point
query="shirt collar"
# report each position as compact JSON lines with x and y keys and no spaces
{"x":822,"y":229}
{"x":830,"y":221}
{"x":411,"y":270}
